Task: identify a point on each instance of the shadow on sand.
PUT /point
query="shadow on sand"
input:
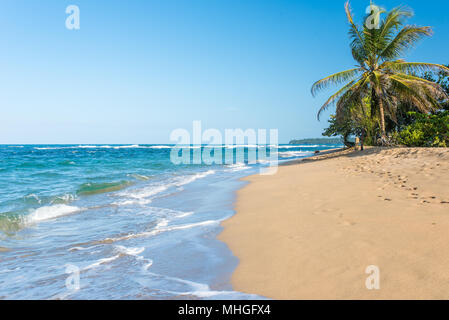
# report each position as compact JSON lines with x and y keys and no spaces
{"x":339,"y":153}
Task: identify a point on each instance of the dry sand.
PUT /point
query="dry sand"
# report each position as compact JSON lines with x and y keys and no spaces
{"x":311,"y":230}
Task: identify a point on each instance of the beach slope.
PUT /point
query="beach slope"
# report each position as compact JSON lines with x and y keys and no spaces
{"x":312,"y":230}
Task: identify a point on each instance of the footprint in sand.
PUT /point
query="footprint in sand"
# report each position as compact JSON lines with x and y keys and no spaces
{"x":347,"y":223}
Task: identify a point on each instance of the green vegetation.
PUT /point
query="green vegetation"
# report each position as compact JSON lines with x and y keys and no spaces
{"x":317,"y":141}
{"x":443,"y":80}
{"x":385,"y":95}
{"x":426,"y":130}
{"x":356,"y":123}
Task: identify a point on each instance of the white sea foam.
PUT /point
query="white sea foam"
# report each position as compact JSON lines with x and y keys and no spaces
{"x":131,"y":202}
{"x":33,"y":196}
{"x":233,"y":146}
{"x":159,"y":147}
{"x":162,"y":229}
{"x":136,"y":146}
{"x":183,"y":180}
{"x":140,"y":196}
{"x":121,"y":251}
{"x":196,"y":286}
{"x":167,"y":213}
{"x":135,"y":252}
{"x":139,"y":176}
{"x":237,"y":167}
{"x":51,"y":212}
{"x":289,"y":154}
{"x":107,"y":146}
{"x":184,"y":214}
{"x":130,"y":251}
{"x":148,"y":265}
{"x":64,"y":198}
{"x":202,"y":290}
{"x":295,"y":146}
{"x":81,"y":248}
{"x":88,"y":146}
{"x":100,"y":262}
{"x":142,"y":193}
{"x":127,"y":147}
{"x":161,"y":224}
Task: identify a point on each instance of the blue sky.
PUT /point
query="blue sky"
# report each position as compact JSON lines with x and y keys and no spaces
{"x":136,"y":70}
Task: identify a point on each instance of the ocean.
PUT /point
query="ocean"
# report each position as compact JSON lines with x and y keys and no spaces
{"x":118,"y":222}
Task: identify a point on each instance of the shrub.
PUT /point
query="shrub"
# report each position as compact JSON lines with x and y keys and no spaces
{"x":427,"y":130}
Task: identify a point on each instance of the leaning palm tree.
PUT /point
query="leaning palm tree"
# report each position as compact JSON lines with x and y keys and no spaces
{"x":380,"y":73}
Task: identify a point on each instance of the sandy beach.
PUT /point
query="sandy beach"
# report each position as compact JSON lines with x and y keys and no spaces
{"x":311,"y":230}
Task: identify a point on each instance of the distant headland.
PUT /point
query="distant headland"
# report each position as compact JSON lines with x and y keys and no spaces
{"x":317,"y":141}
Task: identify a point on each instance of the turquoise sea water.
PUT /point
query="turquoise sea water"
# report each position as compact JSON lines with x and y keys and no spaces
{"x":123,"y":219}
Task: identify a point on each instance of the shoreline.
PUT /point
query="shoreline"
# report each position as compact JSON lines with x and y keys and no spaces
{"x":164,"y":216}
{"x":311,"y":230}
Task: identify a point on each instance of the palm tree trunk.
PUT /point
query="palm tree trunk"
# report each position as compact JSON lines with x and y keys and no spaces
{"x":362,"y":139}
{"x":383,"y":132}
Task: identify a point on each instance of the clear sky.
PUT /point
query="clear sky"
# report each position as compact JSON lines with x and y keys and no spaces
{"x":136,"y":70}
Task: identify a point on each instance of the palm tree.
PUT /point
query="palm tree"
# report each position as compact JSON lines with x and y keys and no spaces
{"x":380,"y":73}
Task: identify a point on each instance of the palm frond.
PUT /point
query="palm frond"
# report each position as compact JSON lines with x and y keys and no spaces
{"x":390,"y":27}
{"x":393,"y":21}
{"x":422,"y":97}
{"x":335,"y":79}
{"x":405,"y":40}
{"x":335,"y":97}
{"x":353,"y":26}
{"x":358,"y":41}
{"x":439,"y":91}
{"x":416,"y":67}
{"x":352,"y":97}
{"x":371,"y":33}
